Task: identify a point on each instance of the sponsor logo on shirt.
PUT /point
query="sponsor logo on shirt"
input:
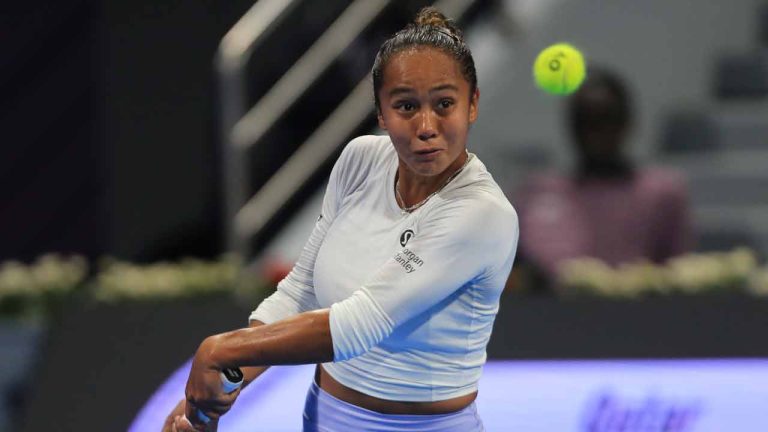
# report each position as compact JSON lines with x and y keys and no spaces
{"x":405,"y":237}
{"x":408,"y":260}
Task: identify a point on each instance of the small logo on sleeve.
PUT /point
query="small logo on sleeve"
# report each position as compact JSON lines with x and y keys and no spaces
{"x":405,"y":237}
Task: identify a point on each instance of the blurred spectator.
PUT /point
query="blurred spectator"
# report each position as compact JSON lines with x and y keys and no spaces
{"x":608,"y":207}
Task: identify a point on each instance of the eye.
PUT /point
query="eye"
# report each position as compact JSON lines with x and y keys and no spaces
{"x":405,"y":106}
{"x":446,"y":103}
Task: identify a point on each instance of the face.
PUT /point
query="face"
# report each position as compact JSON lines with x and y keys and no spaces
{"x":426,"y":107}
{"x":599,"y":130}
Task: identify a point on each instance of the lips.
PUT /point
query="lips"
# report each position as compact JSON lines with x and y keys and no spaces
{"x":427,"y":151}
{"x":427,"y":155}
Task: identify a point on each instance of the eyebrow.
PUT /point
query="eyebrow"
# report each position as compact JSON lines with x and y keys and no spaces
{"x":444,"y":87}
{"x":406,"y":90}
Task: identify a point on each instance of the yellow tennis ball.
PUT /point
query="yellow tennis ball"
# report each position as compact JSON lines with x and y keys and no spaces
{"x":559,"y":69}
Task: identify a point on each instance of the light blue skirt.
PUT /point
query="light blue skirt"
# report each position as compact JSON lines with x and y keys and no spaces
{"x":325,"y":413}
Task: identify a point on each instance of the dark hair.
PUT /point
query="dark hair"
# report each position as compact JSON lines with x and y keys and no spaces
{"x":603,"y":79}
{"x":431,"y":29}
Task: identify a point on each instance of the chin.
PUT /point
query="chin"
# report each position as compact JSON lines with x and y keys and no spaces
{"x":428,"y":169}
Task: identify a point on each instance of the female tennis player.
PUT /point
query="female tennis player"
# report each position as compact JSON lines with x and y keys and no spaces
{"x":396,"y":290}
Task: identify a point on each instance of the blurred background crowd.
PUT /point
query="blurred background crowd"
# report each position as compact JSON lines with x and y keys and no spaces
{"x":142,"y":163}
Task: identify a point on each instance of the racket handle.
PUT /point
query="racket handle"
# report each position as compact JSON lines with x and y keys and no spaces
{"x":231,"y":380}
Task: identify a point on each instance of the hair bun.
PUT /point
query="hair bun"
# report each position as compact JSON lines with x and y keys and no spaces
{"x":430,"y":16}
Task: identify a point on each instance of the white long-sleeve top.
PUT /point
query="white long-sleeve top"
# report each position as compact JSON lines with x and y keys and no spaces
{"x":413,"y":296}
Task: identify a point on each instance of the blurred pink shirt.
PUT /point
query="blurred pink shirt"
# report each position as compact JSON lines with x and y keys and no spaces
{"x":618,"y":220}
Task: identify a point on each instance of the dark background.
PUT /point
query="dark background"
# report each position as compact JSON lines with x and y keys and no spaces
{"x":107,"y":120}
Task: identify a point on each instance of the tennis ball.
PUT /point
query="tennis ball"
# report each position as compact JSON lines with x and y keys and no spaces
{"x":559,"y":69}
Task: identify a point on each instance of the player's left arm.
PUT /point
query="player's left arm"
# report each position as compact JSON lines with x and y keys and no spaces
{"x":464,"y":241}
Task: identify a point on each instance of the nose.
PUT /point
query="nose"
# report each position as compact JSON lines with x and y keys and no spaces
{"x":427,"y":125}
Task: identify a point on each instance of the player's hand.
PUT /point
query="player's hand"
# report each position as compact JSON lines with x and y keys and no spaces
{"x":175,"y":412}
{"x":181,"y":424}
{"x":177,"y":421}
{"x":204,"y":390}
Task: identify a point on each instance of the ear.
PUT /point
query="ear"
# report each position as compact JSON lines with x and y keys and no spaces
{"x":473,"y":105}
{"x":380,"y":118}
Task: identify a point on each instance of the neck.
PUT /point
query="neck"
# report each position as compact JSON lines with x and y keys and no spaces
{"x":415,"y":188}
{"x":618,"y":168}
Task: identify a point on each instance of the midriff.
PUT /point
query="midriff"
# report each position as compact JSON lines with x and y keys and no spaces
{"x":384,"y":406}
